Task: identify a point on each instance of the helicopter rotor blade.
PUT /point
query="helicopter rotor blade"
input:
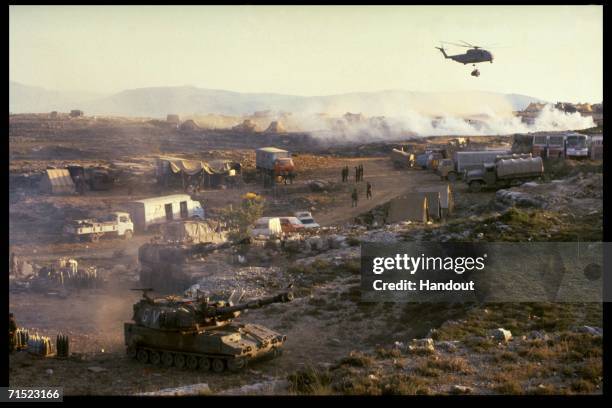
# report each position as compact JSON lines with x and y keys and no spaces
{"x":458,"y":45}
{"x":467,"y":43}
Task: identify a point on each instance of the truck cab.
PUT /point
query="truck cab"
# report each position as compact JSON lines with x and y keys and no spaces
{"x":479,"y":178}
{"x":446,"y":170}
{"x":283,"y":167}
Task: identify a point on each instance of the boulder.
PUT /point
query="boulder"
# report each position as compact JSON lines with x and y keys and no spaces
{"x":501,"y":334}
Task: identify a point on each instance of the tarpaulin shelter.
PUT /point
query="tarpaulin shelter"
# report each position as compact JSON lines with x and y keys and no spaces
{"x":205,"y":173}
{"x":57,"y":181}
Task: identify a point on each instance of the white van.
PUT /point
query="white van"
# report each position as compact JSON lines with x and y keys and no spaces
{"x":158,"y":210}
{"x":267,"y":226}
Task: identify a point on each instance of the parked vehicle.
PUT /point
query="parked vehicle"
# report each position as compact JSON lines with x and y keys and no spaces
{"x":118,"y":224}
{"x":468,"y":160}
{"x":158,"y":210}
{"x":274,"y":164}
{"x":306,"y":218}
{"x":596,"y":147}
{"x":291,"y":225}
{"x":448,"y":168}
{"x":560,"y":146}
{"x":576,"y":146}
{"x":402,"y":159}
{"x":267,"y":226}
{"x":504,"y":173}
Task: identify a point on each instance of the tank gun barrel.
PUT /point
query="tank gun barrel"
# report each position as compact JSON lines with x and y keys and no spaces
{"x":255,"y":304}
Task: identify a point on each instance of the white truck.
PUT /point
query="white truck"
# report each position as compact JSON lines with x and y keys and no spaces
{"x":158,"y":210}
{"x":118,"y":224}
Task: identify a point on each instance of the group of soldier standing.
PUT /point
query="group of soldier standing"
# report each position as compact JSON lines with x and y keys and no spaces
{"x":358,"y":178}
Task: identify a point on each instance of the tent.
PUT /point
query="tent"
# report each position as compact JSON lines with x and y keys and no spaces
{"x":410,"y":207}
{"x":57,"y":181}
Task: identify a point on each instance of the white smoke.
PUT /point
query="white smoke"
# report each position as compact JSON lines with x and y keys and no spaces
{"x":413,"y":123}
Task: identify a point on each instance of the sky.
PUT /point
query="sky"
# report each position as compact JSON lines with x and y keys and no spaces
{"x":550,"y":52}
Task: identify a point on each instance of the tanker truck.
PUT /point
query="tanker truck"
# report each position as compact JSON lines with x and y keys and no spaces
{"x":504,"y":172}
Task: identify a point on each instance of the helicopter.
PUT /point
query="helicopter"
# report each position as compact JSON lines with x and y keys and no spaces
{"x":474,"y":55}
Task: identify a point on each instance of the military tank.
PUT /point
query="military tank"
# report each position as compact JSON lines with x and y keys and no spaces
{"x":199,"y":333}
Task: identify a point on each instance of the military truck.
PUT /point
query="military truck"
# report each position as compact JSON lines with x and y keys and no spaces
{"x":117,"y":224}
{"x":402,"y":159}
{"x":198,"y":333}
{"x":448,"y":169}
{"x":274,"y":164}
{"x":504,"y":172}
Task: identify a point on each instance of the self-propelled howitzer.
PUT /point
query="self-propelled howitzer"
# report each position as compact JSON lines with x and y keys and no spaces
{"x":200,"y":333}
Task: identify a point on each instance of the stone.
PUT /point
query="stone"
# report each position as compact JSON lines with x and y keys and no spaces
{"x":426,"y":345}
{"x":96,"y":369}
{"x":460,"y":389}
{"x":450,"y":346}
{"x":595,"y":331}
{"x":501,"y":334}
{"x":538,"y":335}
{"x":49,"y":371}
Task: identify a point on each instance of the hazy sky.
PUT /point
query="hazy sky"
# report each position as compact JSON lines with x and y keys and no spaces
{"x":551,"y":52}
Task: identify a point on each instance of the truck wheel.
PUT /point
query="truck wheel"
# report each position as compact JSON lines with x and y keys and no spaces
{"x":475,"y":186}
{"x":218,"y":365}
{"x":127,"y":234}
{"x":452,"y":177}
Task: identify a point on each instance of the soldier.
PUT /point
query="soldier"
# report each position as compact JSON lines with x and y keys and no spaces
{"x":354,"y":198}
{"x":356,"y":174}
{"x":369,"y":191}
{"x":12,"y":332}
{"x":361,"y":172}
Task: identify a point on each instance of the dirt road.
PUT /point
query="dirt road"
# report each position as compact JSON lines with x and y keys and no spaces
{"x":387,"y":183}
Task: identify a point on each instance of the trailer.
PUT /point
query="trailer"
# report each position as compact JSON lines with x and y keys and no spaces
{"x":504,"y":173}
{"x":116,"y":224}
{"x":158,"y":210}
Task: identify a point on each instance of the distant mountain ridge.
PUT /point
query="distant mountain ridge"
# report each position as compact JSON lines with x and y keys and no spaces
{"x":188,"y":100}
